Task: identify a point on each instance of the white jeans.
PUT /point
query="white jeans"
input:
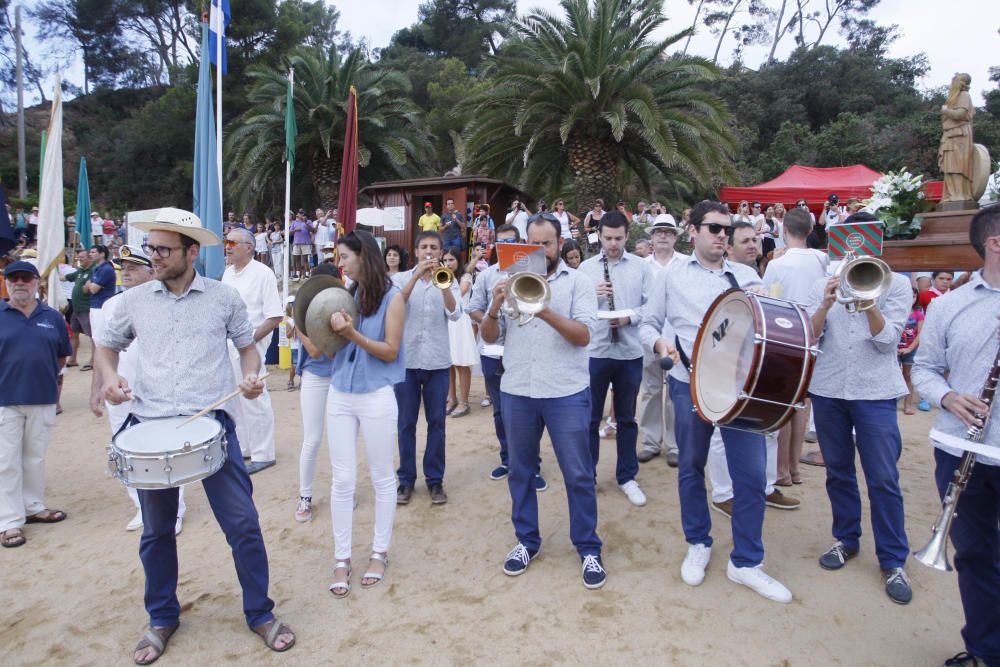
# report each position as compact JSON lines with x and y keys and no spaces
{"x":718,"y":468}
{"x":117,"y":414}
{"x":312,"y":399}
{"x":25,"y":433}
{"x":376,"y":414}
{"x":254,"y":419}
{"x":96,"y":325}
{"x":655,"y":425}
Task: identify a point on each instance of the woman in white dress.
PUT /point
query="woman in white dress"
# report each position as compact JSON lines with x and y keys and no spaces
{"x":276,"y":241}
{"x":260,"y":245}
{"x":464,"y":353}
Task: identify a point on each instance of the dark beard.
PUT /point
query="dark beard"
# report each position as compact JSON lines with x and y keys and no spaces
{"x":551,"y":264}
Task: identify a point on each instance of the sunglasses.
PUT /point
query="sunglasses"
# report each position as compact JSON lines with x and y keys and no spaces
{"x":715,"y":228}
{"x":21,"y":277}
{"x":232,"y":244}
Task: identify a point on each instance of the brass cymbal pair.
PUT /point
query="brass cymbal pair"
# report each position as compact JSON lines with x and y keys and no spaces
{"x":316,"y":301}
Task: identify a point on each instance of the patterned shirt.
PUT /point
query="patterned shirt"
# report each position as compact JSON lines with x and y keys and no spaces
{"x":538,"y":361}
{"x":853,"y":364}
{"x":631,"y":278}
{"x":958,"y":338}
{"x":680,"y":297}
{"x":182,"y":361}
{"x":425,"y":337}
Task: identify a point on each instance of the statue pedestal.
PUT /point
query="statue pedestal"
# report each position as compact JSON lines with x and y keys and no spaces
{"x":943,"y":244}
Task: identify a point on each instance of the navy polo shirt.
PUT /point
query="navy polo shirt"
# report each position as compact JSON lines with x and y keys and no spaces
{"x":30,"y":349}
{"x":105,"y":276}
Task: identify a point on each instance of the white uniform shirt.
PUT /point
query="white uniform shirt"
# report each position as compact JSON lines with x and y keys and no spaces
{"x":259,"y":290}
{"x":657,"y":267}
{"x":793,"y":275}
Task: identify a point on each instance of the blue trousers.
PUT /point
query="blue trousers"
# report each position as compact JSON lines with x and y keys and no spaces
{"x":975,"y":534}
{"x":625,"y":377}
{"x":879,"y":446}
{"x":746,"y":457}
{"x":229,"y":493}
{"x":432,"y":387}
{"x":490,"y":367}
{"x":566,"y":420}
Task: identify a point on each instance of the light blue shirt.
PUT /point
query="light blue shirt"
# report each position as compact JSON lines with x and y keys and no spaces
{"x":959,"y":338}
{"x":852,"y":363}
{"x":631,"y":279}
{"x":538,"y":362}
{"x":482,"y":295}
{"x":321,"y":365}
{"x":425,"y":338}
{"x":357,"y":372}
{"x":679,"y":299}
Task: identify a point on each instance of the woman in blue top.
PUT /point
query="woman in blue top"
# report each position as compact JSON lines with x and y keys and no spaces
{"x":315,"y":369}
{"x":361,"y":395}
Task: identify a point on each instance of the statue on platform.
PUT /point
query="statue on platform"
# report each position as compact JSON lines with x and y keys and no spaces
{"x":956,"y":153}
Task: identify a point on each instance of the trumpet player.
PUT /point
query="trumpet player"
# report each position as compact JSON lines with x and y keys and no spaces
{"x":429,"y":307}
{"x":855,"y":385}
{"x":546,"y":383}
{"x":621,"y":282}
{"x":956,"y":350}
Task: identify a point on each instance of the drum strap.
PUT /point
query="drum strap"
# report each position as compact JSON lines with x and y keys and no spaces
{"x":677,"y":341}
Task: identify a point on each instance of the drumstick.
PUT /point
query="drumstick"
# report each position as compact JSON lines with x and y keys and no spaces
{"x":202,"y":413}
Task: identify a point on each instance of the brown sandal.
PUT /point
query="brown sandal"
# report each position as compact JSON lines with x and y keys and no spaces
{"x":11,"y":538}
{"x":46,"y":516}
{"x":270,"y":632}
{"x":155,"y":638}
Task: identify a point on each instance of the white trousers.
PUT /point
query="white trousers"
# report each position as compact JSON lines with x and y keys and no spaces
{"x":117,"y":414}
{"x":25,"y":433}
{"x":718,"y":468}
{"x":254,"y":419}
{"x":312,"y":400}
{"x":655,"y":426}
{"x":96,"y":325}
{"x":375,"y":413}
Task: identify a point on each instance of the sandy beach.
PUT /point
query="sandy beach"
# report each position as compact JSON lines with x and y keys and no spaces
{"x":73,"y":593}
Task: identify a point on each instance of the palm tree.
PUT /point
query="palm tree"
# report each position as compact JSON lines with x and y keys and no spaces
{"x":392,"y":142}
{"x":580,"y":97}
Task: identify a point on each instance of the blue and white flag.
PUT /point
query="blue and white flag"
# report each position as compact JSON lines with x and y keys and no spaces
{"x":218,"y":20}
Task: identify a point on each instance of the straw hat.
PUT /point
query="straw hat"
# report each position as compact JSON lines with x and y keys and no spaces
{"x":181,"y":222}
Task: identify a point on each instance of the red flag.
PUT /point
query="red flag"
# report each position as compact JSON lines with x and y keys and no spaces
{"x":347,"y":202}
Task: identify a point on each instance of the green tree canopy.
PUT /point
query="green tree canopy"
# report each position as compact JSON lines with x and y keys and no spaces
{"x":579,"y":97}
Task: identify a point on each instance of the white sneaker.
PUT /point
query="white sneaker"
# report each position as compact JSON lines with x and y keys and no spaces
{"x":609,"y":429}
{"x":485,"y":403}
{"x":756,"y":579}
{"x":179,"y":526}
{"x":633,"y":492}
{"x":136,"y":522}
{"x":693,"y":567}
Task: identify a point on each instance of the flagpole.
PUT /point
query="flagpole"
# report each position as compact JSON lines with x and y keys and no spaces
{"x":220,"y":36}
{"x":288,"y":205}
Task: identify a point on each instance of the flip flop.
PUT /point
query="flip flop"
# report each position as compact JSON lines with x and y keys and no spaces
{"x":51,"y":516}
{"x":269,"y":633}
{"x":812,"y":459}
{"x":73,"y":365}
{"x":155,"y":638}
{"x":15,"y":540}
{"x":86,"y":367}
{"x":460,"y":411}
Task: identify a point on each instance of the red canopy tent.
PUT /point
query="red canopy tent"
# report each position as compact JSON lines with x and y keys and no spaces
{"x":815,"y":184}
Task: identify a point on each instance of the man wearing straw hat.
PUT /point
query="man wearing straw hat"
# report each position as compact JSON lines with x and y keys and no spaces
{"x":181,"y":323}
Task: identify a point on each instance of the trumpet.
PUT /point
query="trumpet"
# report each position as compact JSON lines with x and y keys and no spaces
{"x":525,"y":295}
{"x":442,"y":277}
{"x":862,"y":281}
{"x":935,"y":552}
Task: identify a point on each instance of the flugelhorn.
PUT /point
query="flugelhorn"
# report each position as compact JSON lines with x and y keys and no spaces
{"x":525,"y":295}
{"x":862,"y":280}
{"x":935,"y":552}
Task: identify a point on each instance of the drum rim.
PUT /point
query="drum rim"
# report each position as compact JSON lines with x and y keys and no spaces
{"x":220,"y":433}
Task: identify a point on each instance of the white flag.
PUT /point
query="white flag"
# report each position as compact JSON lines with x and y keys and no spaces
{"x":51,"y":226}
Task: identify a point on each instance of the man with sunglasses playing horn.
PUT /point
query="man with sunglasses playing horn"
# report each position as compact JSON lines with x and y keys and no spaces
{"x":678,"y":300}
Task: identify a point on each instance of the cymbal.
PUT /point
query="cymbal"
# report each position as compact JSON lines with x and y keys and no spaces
{"x":321,"y":307}
{"x":304,"y":297}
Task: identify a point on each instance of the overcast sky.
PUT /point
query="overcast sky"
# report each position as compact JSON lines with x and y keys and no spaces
{"x":963,"y":38}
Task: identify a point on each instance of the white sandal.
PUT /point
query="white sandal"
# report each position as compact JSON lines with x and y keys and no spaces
{"x":377,"y":576}
{"x":346,"y":585}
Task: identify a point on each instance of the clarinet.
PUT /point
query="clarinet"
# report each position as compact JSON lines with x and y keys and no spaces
{"x":611,"y":297}
{"x":935,"y":553}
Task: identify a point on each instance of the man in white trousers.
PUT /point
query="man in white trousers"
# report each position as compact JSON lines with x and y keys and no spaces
{"x":136,"y":269}
{"x":259,"y":290}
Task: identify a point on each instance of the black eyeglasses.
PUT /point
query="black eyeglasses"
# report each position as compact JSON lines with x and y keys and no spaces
{"x":715,"y":228}
{"x":161,"y":251}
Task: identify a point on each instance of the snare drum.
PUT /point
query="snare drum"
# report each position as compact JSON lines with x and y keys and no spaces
{"x":752,"y":362}
{"x":156,"y":454}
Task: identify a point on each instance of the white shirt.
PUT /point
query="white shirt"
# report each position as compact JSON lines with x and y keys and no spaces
{"x":259,"y":290}
{"x":779,"y":229}
{"x":322,"y":235}
{"x":792,"y":275}
{"x":128,"y":359}
{"x":563,"y":219}
{"x":657,"y":267}
{"x":519,"y":220}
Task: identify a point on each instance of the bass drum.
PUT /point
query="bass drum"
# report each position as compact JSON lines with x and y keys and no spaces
{"x":752,"y":361}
